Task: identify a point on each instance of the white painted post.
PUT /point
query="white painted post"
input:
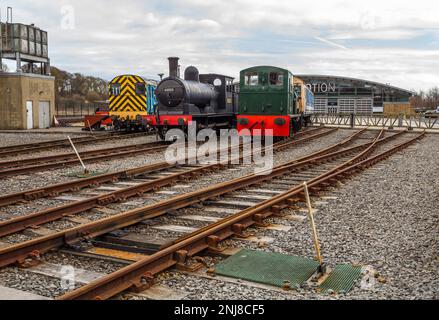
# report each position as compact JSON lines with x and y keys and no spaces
{"x":313,"y":225}
{"x":77,"y":154}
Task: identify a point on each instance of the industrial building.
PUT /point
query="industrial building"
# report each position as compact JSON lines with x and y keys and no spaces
{"x":343,"y":95}
{"x":27,"y":101}
{"x":27,"y":96}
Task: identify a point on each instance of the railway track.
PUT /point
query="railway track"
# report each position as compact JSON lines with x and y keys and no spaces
{"x":26,"y":166}
{"x":120,"y":187}
{"x":22,"y":250}
{"x":320,"y":169}
{"x":140,"y":275}
{"x":62,"y":143}
{"x":115,"y":177}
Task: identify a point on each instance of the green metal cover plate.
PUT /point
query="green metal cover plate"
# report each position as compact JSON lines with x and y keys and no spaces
{"x":342,"y":279}
{"x":268,"y":268}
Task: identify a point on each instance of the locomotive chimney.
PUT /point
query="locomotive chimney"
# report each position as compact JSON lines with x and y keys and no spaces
{"x":173,"y":67}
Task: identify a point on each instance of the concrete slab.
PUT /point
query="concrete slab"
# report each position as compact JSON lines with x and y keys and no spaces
{"x":128,"y":183}
{"x":221,"y":210}
{"x":59,"y":271}
{"x":244,"y":204}
{"x":259,"y":240}
{"x":143,"y":180}
{"x":328,"y":198}
{"x":39,"y":232}
{"x":70,"y":198}
{"x":79,"y":220}
{"x":109,"y":189}
{"x":181,"y":186}
{"x":167,"y":173}
{"x":10,"y":294}
{"x":252,"y":196}
{"x":264,"y":191}
{"x":175,"y":228}
{"x":200,"y":218}
{"x":278,"y":227}
{"x":165,"y":192}
{"x":137,"y":203}
{"x":103,"y":211}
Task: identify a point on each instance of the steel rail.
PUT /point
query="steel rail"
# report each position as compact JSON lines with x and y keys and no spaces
{"x":87,"y":154}
{"x":84,"y":154}
{"x":67,"y":163}
{"x":88,"y":157}
{"x":52,"y":214}
{"x":21,"y":251}
{"x":141,"y":273}
{"x":54,"y":190}
{"x":62,"y":143}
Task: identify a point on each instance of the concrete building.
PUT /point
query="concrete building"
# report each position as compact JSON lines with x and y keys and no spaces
{"x":27,"y":101}
{"x":343,"y":95}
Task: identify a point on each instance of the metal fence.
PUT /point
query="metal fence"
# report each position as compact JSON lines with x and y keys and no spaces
{"x":78,"y":109}
{"x":353,"y":120}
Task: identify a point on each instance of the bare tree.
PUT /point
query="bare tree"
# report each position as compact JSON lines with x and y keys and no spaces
{"x":426,"y":100}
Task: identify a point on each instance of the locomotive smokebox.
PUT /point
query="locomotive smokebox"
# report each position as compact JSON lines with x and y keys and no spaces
{"x":173,"y":67}
{"x":191,"y":74}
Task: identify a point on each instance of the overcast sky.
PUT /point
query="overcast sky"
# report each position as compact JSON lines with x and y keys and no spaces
{"x":389,"y":41}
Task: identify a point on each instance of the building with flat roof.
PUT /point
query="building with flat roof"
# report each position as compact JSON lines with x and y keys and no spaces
{"x":344,"y":95}
{"x":27,"y":101}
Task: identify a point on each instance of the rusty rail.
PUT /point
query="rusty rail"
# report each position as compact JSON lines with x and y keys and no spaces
{"x":70,"y":160}
{"x":55,"y":190}
{"x":52,"y":214}
{"x":15,"y":167}
{"x":21,"y":251}
{"x":141,"y":274}
{"x":61,"y":143}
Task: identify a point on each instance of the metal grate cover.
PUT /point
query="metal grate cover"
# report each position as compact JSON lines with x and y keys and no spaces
{"x":268,"y":268}
{"x":342,"y":279}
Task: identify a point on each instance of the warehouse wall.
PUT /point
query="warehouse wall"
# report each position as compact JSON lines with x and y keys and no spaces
{"x":16,"y":90}
{"x":398,"y":108}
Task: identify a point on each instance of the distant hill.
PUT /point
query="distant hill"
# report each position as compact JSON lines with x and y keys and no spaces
{"x":78,"y":88}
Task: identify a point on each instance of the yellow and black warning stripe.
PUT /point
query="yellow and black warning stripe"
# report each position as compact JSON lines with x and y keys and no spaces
{"x":125,"y":100}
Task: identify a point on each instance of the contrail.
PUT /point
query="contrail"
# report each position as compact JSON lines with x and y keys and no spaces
{"x":331,"y":43}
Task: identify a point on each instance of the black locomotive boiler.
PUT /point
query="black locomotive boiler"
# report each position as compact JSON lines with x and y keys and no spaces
{"x":207,"y":99}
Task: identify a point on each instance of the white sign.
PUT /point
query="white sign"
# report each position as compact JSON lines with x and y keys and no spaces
{"x":322,"y":87}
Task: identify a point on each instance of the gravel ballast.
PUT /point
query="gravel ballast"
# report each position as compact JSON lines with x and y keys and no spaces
{"x":385,"y":219}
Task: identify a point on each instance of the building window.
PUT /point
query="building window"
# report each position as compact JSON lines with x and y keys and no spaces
{"x":140,"y":89}
{"x":276,"y":79}
{"x":251,"y":79}
{"x":115,"y":89}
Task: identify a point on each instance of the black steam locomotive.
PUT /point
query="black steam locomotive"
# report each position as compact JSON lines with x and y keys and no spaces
{"x":209,"y":100}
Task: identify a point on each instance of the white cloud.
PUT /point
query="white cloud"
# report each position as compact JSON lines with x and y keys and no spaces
{"x":134,"y":36}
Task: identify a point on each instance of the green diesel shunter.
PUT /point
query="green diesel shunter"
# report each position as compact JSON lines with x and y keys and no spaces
{"x":268,"y":103}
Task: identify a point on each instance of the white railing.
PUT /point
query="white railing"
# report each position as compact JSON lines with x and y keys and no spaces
{"x":411,"y":122}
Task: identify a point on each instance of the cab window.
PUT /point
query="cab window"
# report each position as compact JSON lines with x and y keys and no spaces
{"x":140,"y":88}
{"x":251,"y":79}
{"x":276,"y":79}
{"x":115,"y":89}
